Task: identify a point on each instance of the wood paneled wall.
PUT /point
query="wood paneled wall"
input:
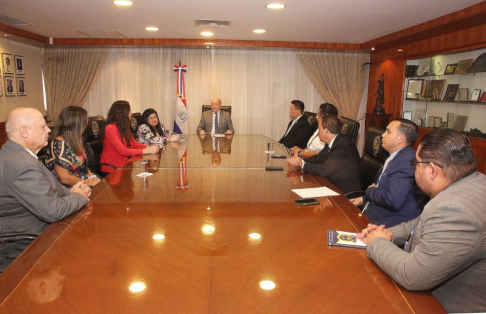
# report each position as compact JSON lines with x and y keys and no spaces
{"x":3,"y":135}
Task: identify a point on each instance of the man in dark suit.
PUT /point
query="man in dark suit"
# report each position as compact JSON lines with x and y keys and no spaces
{"x":395,"y":197}
{"x":298,"y":130}
{"x":339,"y":164}
{"x":215,"y":121}
{"x":30,"y":196}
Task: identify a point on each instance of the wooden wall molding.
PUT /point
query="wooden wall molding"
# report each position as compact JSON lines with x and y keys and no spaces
{"x":23,"y":34}
{"x":454,"y":22}
{"x":200,"y":43}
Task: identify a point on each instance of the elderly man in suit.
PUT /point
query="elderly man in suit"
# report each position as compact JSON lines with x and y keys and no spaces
{"x":215,"y":121}
{"x":395,"y":197}
{"x":444,"y":249}
{"x":339,"y":163}
{"x":298,"y":130}
{"x":30,"y":196}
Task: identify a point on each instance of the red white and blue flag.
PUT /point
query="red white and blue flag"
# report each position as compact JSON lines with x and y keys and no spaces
{"x":180,"y":119}
{"x":180,"y":125}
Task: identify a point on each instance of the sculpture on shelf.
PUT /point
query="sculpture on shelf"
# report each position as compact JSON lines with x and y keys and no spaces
{"x":380,"y":96}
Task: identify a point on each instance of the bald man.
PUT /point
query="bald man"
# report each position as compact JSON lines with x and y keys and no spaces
{"x":215,"y":121}
{"x":30,"y":196}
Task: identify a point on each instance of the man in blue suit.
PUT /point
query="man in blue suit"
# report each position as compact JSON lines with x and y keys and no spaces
{"x":395,"y":197}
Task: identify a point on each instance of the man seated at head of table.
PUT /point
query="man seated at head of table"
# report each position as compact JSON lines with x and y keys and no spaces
{"x":30,"y":195}
{"x":315,"y":145}
{"x":215,"y":121}
{"x":445,"y":247}
{"x":298,"y":130}
{"x":395,"y":197}
{"x":339,"y":163}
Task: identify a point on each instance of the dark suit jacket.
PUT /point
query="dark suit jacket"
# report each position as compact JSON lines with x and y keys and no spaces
{"x":224,"y":122}
{"x":397,"y":198}
{"x":340,"y":165}
{"x":298,"y":135}
{"x":30,"y":198}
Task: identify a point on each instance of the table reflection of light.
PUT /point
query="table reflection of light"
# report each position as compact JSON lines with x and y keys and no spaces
{"x":158,"y":236}
{"x":208,"y":229}
{"x":137,"y":287}
{"x":209,"y":208}
{"x":359,"y":215}
{"x":254,"y":236}
{"x":267,"y":285}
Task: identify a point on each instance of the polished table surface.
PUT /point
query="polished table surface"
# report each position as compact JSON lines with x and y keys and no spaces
{"x":206,"y":262}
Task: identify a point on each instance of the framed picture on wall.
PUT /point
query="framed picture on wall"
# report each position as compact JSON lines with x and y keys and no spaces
{"x":407,"y":115}
{"x":9,"y":86}
{"x":463,"y":94}
{"x":21,"y":88}
{"x":19,"y":65}
{"x":8,"y":63}
{"x":483,"y":97}
{"x":1,"y":87}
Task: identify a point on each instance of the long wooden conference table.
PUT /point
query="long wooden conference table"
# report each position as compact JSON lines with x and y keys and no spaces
{"x":204,"y":238}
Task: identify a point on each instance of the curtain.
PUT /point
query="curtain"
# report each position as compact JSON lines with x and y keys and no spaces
{"x":257,"y":84}
{"x":338,"y":77}
{"x":69,"y":74}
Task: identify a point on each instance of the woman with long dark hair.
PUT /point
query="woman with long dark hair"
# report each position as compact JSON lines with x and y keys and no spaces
{"x":66,"y":157}
{"x":118,"y":141}
{"x":152,"y":132}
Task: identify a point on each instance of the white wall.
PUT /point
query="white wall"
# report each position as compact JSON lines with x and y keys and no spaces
{"x":33,"y":77}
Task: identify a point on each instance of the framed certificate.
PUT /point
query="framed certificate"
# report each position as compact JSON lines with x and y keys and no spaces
{"x":475,"y":94}
{"x":414,"y":89}
{"x":407,"y":115}
{"x":463,"y":94}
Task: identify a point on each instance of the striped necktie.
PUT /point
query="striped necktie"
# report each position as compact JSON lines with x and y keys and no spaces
{"x":216,"y":124}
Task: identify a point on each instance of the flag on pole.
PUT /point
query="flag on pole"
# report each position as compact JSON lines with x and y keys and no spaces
{"x":180,"y":125}
{"x":180,"y":119}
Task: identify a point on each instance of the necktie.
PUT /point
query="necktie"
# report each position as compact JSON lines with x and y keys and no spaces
{"x":290,"y":127}
{"x":216,"y":124}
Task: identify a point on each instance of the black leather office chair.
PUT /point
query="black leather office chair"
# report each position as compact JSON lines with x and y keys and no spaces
{"x":349,"y":128}
{"x":372,"y":160}
{"x":311,"y":117}
{"x":224,"y":108}
{"x":42,"y":154}
{"x":136,"y":121}
{"x":93,"y":145}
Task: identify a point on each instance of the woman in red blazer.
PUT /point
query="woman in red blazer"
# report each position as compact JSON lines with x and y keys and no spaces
{"x":118,"y":141}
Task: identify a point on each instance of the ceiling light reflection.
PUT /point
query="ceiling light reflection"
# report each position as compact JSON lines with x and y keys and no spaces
{"x":259,"y":31}
{"x":267,"y":285}
{"x":137,"y":287}
{"x":158,"y":236}
{"x":208,"y":229}
{"x":254,"y":236}
{"x":151,"y":28}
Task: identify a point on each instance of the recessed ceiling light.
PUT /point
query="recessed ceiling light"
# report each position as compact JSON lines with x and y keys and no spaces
{"x":275,"y":6}
{"x":151,"y":28}
{"x":123,"y":2}
{"x":259,"y":31}
{"x":207,"y":34}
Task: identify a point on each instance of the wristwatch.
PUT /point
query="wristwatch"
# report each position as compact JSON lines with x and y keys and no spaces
{"x":298,"y":153}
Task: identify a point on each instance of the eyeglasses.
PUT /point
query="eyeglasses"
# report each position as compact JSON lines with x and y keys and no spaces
{"x":152,"y":117}
{"x":414,"y":163}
